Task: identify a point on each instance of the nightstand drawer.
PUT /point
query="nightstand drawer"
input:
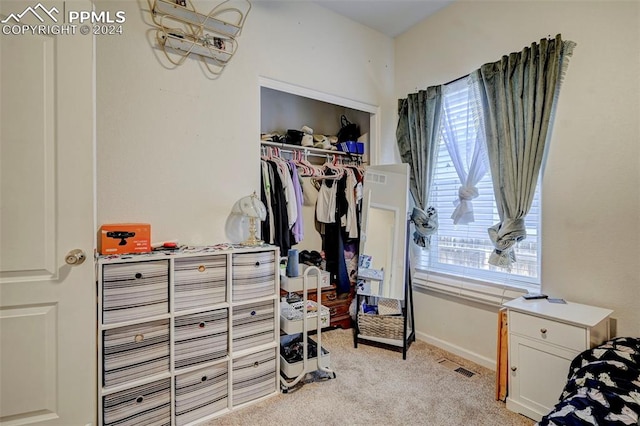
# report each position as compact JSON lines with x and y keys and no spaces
{"x":557,"y":333}
{"x":135,"y":352}
{"x":148,"y":404}
{"x":201,"y":393}
{"x":200,"y":338}
{"x":133,"y":291}
{"x":254,"y":376}
{"x":253,"y":325}
{"x":200,"y":281}
{"x":253,"y":275}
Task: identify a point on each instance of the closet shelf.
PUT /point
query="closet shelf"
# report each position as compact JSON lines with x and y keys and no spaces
{"x":310,"y":149}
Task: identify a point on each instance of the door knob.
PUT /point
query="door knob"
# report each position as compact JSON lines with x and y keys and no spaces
{"x":75,"y":257}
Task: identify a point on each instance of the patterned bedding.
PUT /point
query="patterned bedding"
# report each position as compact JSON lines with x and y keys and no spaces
{"x":603,"y":387}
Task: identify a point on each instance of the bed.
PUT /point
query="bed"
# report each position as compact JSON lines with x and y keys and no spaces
{"x":603,"y":387}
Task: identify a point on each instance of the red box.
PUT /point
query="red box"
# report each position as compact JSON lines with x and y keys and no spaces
{"x":124,"y":238}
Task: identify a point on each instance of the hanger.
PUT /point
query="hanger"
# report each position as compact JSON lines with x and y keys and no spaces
{"x":330,"y":170}
{"x":302,"y":162}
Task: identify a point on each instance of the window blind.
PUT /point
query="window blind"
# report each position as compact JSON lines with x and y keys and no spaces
{"x":463,"y":250}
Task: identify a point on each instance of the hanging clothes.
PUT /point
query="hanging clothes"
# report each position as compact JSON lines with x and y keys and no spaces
{"x":278,"y":215}
{"x":298,"y":226}
{"x":282,"y":167}
{"x":334,"y":236}
{"x":283,"y":197}
{"x":326,"y":202}
{"x":267,"y":227}
{"x":350,"y":219}
{"x":287,"y":185}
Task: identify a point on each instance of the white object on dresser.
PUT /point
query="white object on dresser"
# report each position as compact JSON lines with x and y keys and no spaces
{"x":544,"y":338}
{"x":187,"y":336}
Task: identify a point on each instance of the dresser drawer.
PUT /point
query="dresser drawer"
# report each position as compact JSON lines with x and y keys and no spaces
{"x":328,"y":294}
{"x":254,"y":376}
{"x":134,"y":291}
{"x":338,"y":307}
{"x":200,"y":337}
{"x":557,"y":333}
{"x":253,"y":275}
{"x":253,"y":325}
{"x":200,"y":281}
{"x":201,"y":393}
{"x":135,"y":352}
{"x":149,"y":404}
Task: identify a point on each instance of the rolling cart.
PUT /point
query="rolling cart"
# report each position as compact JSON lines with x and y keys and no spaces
{"x":292,"y":375}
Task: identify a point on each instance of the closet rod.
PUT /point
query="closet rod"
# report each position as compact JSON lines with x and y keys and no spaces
{"x":341,"y":156}
{"x":307,"y":149}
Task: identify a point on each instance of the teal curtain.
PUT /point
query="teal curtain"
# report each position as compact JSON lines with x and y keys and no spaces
{"x":417,"y":137}
{"x":519,"y":94}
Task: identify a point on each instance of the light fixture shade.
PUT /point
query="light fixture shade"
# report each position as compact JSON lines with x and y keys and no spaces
{"x":245,"y":212}
{"x":251,"y":206}
{"x":237,"y":228}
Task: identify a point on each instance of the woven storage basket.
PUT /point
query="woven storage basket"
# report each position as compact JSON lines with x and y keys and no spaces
{"x":389,"y":306}
{"x":388,"y":327}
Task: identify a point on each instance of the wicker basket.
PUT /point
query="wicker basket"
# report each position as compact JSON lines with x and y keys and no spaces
{"x":389,"y":306}
{"x":385,"y":326}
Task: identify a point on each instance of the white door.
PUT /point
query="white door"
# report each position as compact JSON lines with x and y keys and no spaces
{"x":47,"y":307}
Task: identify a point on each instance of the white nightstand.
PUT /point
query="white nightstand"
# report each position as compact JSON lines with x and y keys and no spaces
{"x":544,"y":338}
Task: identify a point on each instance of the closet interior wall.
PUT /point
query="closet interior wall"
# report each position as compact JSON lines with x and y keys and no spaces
{"x":286,"y":107}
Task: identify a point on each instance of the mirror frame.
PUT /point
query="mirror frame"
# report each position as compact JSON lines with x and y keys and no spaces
{"x":388,"y":189}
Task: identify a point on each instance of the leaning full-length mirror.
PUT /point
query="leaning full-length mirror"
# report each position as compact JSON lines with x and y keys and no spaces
{"x":383,"y":238}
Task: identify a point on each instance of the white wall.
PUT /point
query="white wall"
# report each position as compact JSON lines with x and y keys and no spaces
{"x":591,"y":196}
{"x":177,"y":149}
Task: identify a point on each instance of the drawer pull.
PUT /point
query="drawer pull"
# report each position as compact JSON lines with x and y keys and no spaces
{"x":257,"y":264}
{"x":138,"y":275}
{"x":202,"y":268}
{"x":138,"y":338}
{"x":256,"y":364}
{"x":202,"y":324}
{"x":332,"y":296}
{"x":139,"y":399}
{"x":543,"y":330}
{"x":253,"y":313}
{"x":204,"y":378}
{"x":514,"y":368}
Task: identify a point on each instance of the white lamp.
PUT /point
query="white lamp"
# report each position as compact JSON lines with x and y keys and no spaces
{"x":252,"y":208}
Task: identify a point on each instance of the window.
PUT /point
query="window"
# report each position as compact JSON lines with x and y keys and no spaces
{"x":463,"y":250}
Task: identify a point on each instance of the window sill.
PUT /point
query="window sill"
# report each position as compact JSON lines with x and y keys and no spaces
{"x":469,"y":289}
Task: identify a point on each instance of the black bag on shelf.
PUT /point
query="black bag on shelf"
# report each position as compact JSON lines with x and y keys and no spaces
{"x":348,"y":131}
{"x":293,"y":137}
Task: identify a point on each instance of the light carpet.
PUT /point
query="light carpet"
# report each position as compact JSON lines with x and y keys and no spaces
{"x":375,"y":386}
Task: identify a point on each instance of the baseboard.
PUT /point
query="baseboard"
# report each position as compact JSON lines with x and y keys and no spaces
{"x":457,"y":350}
{"x":523,"y":409}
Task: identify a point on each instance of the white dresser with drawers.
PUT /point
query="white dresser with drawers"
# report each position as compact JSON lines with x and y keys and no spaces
{"x":186,"y":336}
{"x":544,"y":338}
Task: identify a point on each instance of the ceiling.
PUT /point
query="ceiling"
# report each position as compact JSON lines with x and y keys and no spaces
{"x":391,"y":17}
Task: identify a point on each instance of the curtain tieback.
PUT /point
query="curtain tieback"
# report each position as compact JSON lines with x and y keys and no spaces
{"x":426,"y":224}
{"x":504,"y":236}
{"x":467,"y":193}
{"x":463,"y":213}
